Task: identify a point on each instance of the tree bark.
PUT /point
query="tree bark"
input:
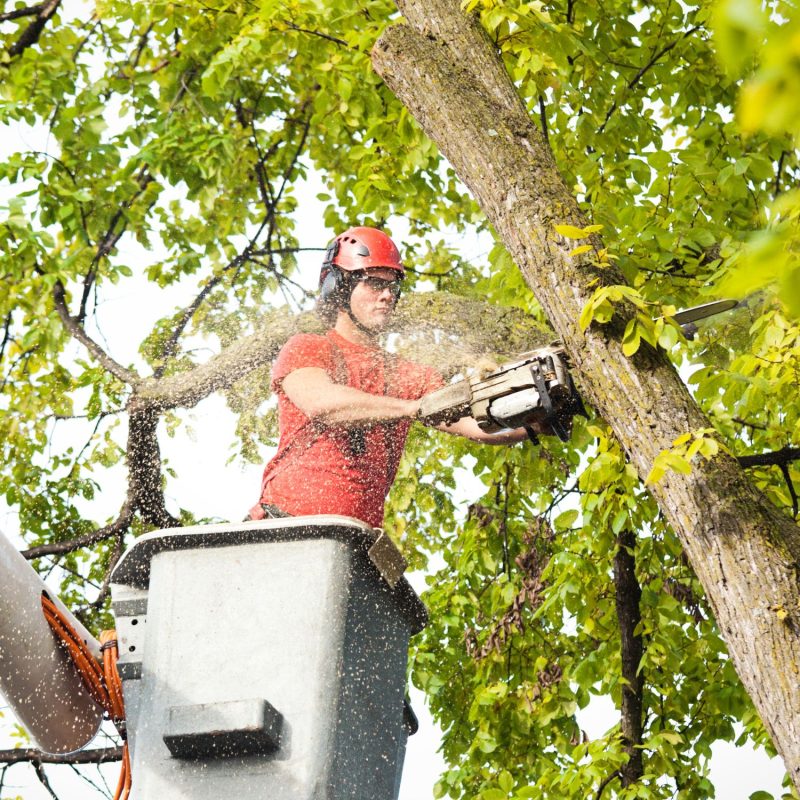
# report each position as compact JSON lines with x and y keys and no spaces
{"x":745,"y":552}
{"x":628,"y":595}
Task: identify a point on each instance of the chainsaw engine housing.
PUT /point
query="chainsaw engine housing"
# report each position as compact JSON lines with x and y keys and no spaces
{"x":536,"y":389}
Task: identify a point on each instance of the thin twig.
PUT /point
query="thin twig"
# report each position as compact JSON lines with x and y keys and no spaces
{"x":99,"y":789}
{"x":792,"y":491}
{"x":778,"y":173}
{"x":76,"y":330}
{"x":42,"y":776}
{"x":6,"y":335}
{"x":321,"y":35}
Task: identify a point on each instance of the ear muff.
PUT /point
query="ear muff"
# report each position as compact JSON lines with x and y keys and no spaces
{"x":330,"y":254}
{"x":334,"y":286}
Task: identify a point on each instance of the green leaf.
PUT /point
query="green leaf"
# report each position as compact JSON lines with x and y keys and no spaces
{"x":566,"y":519}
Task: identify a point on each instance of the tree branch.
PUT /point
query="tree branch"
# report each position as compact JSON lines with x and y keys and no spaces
{"x":776,"y":458}
{"x":116,"y":528}
{"x":657,"y":56}
{"x":42,"y":776}
{"x":171,"y":345}
{"x":100,"y":755}
{"x":792,"y":491}
{"x":287,"y":174}
{"x":187,"y":389}
{"x":112,"y":562}
{"x":602,"y":787}
{"x":6,"y":335}
{"x":326,"y":36}
{"x":475,"y":329}
{"x":143,"y":456}
{"x":29,"y":11}
{"x":109,"y":241}
{"x":76,"y":330}
{"x":778,"y":174}
{"x":543,"y":117}
{"x":31,"y":34}
{"x":628,"y":597}
{"x":270,"y":207}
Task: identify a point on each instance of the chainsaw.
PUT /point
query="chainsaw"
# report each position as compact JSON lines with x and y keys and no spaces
{"x":535,"y":391}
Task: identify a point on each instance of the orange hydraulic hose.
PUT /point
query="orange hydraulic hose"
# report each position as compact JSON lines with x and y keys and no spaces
{"x":90,"y":671}
{"x":102,"y":681}
{"x":108,"y":646}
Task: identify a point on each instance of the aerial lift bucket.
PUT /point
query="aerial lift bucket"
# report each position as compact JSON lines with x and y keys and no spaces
{"x":265,"y":659}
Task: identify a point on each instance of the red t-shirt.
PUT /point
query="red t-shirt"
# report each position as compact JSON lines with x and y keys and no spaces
{"x":316,"y":469}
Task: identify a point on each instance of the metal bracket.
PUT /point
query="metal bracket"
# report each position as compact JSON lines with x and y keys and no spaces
{"x":388,"y":560}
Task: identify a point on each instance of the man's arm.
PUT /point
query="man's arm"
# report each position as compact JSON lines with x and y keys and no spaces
{"x":468,"y":428}
{"x":319,"y":398}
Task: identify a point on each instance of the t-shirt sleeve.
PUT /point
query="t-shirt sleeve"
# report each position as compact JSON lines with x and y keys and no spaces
{"x":303,"y":350}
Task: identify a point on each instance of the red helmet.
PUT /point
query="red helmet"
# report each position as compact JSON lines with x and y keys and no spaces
{"x":363,"y":248}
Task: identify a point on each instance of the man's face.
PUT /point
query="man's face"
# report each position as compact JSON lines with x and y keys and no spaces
{"x":373,"y":300}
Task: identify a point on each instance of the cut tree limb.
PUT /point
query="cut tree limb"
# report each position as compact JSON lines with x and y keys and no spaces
{"x":744,"y":550}
{"x":472,"y":328}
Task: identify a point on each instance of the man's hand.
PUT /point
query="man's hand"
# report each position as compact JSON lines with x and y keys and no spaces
{"x":470,"y":429}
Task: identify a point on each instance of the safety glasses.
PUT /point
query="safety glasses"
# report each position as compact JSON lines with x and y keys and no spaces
{"x":377,"y":285}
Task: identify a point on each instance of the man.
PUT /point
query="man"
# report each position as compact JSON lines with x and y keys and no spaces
{"x":344,"y":404}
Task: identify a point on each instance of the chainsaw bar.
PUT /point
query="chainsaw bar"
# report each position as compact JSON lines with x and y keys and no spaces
{"x":706,"y":310}
{"x":534,"y":389}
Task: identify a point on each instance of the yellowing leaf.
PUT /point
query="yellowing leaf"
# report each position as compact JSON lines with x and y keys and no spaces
{"x":631,"y":346}
{"x":571,"y":232}
{"x":581,"y":249}
{"x":586,"y":316}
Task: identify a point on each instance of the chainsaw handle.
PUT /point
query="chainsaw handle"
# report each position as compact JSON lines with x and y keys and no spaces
{"x":446,"y":405}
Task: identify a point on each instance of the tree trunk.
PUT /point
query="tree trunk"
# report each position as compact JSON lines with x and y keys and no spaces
{"x":628,"y":596}
{"x":443,"y":67}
